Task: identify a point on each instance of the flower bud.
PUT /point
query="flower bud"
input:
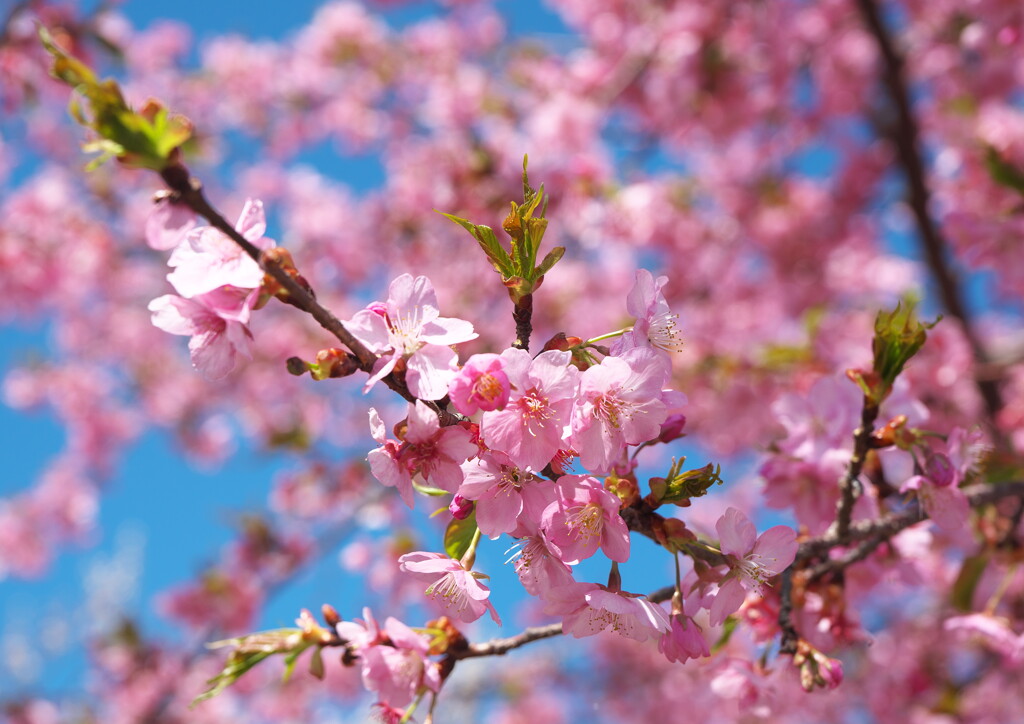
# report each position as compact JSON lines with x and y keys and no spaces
{"x":625,"y":488}
{"x":460,"y":507}
{"x":672,"y":428}
{"x":330,"y":615}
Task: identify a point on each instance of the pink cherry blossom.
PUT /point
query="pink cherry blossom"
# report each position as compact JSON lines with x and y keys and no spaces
{"x":583,"y":518}
{"x":458,"y":591}
{"x":944,"y":469}
{"x":619,"y":404}
{"x":503,"y":493}
{"x":684,"y":640}
{"x":539,"y":570}
{"x":430,"y":451}
{"x":481,"y":384}
{"x":752,"y":559}
{"x":433,"y":451}
{"x":655,"y":324}
{"x":207,"y":259}
{"x":531,"y":428}
{"x":216,"y":322}
{"x":409,"y":327}
{"x":590,"y":608}
{"x":993,"y":631}
{"x":168,"y":224}
{"x":395,"y":661}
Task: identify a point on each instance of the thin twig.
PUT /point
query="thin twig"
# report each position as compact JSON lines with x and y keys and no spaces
{"x":887,"y":527}
{"x":848,"y":485}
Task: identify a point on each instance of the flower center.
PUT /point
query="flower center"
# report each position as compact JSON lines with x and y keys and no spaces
{"x":664,"y":334}
{"x":585,"y":521}
{"x":487,"y":387}
{"x":449,"y":589}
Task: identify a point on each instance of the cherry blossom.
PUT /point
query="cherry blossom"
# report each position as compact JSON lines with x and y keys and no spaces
{"x":531,"y":427}
{"x":655,"y":324}
{"x":583,"y":518}
{"x":409,"y":327}
{"x":589,"y":608}
{"x":216,"y":322}
{"x":481,"y":384}
{"x":457,"y":590}
{"x":619,"y":404}
{"x":207,"y":259}
{"x":752,"y":559}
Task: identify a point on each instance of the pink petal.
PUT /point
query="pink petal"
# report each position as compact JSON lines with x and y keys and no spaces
{"x":736,"y":533}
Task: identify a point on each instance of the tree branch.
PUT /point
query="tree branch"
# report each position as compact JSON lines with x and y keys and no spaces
{"x":906,"y":138}
{"x":848,"y":485}
{"x":885,"y":528}
{"x":500,"y":647}
{"x":189,"y":191}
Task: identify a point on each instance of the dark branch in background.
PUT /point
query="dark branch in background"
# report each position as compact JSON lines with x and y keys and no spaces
{"x":189,"y":191}
{"x":883,"y":528}
{"x":868,"y":534}
{"x":906,"y":137}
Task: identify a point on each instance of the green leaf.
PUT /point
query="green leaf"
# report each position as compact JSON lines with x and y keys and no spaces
{"x":898,"y":337}
{"x":550,"y":260}
{"x":459,"y":536}
{"x":1002,"y":171}
{"x":962,"y":595}
{"x":237,"y":664}
{"x":727,"y":631}
{"x":316,"y":663}
{"x":427,"y":490}
{"x":484,"y":235}
{"x":679,"y":487}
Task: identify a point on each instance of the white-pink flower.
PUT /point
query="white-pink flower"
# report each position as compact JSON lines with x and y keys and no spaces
{"x":620,"y":403}
{"x":458,"y":591}
{"x":752,"y":559}
{"x":215,"y":321}
{"x":168,"y":224}
{"x":429,"y":450}
{"x":481,"y":384}
{"x":395,"y":661}
{"x":409,"y":326}
{"x":207,"y":259}
{"x":531,"y":428}
{"x":655,"y":324}
{"x":589,"y":608}
{"x":583,"y":518}
{"x":503,"y":493}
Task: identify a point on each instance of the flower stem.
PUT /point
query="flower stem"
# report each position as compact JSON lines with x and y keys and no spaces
{"x":469,"y":558}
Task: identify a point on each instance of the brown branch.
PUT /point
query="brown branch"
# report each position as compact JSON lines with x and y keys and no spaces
{"x":882,"y":529}
{"x":189,"y":191}
{"x":906,"y":138}
{"x":848,"y":485}
{"x":500,"y":647}
{"x":522,"y":313}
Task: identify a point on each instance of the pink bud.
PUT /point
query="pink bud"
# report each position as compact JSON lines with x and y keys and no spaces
{"x":460,"y":507}
{"x":672,"y":428}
